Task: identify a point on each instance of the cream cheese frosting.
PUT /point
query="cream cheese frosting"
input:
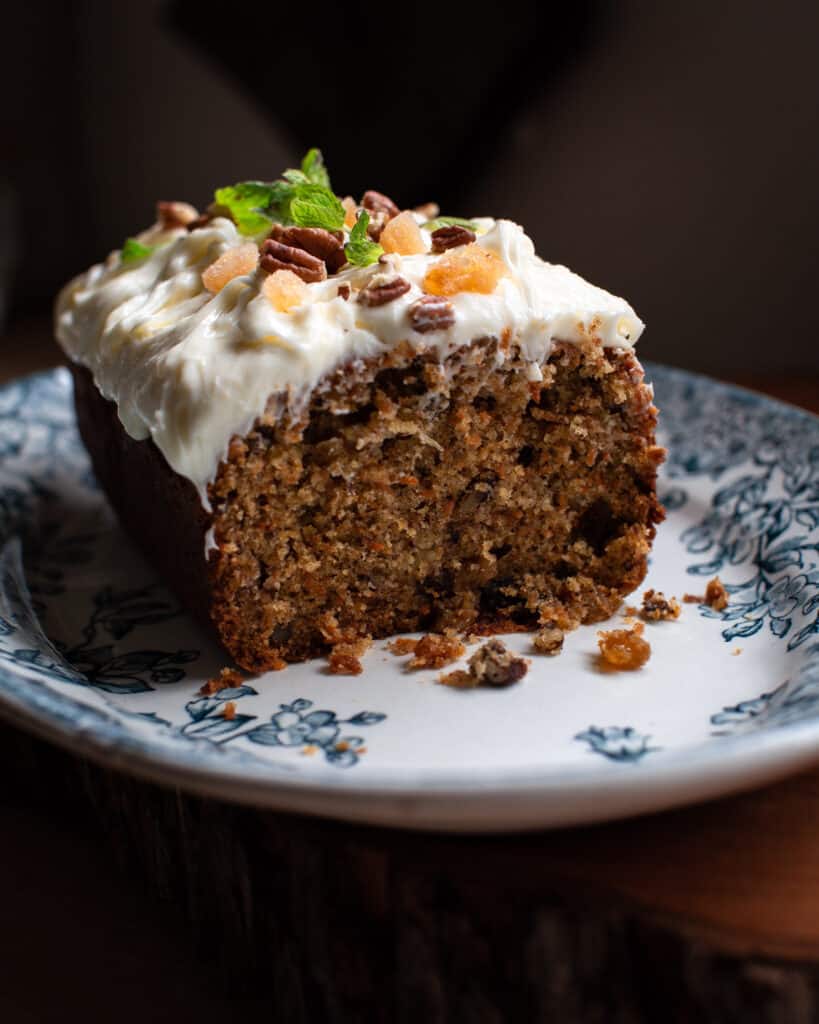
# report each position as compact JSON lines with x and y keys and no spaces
{"x":191,"y":369}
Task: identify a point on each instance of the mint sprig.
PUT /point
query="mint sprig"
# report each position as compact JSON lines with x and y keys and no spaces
{"x":301,"y":196}
{"x":314,"y":169}
{"x":447,"y":222}
{"x":315,"y":206}
{"x":250,"y":203}
{"x":133,"y":250}
{"x":360,"y":250}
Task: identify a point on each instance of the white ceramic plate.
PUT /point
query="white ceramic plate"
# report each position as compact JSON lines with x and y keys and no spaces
{"x":95,"y":655}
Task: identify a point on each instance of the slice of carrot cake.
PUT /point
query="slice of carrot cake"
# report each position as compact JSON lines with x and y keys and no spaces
{"x":324,"y":419}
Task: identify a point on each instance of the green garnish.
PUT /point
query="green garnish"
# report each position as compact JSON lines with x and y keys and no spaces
{"x":248,"y":203}
{"x":450,"y":222}
{"x":312,"y":167}
{"x":300,"y":197}
{"x":315,"y":206}
{"x":133,"y":250}
{"x":361,"y":251}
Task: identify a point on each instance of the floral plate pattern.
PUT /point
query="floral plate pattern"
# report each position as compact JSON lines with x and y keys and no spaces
{"x":96,"y":655}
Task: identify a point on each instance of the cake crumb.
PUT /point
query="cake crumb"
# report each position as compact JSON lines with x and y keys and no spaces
{"x":458,"y":680}
{"x":623,"y":649}
{"x":494,"y":665}
{"x":549,"y":640}
{"x":736,"y":651}
{"x":436,"y":650}
{"x":229,"y":711}
{"x":630,"y":611}
{"x":227,"y":678}
{"x":344,"y":658}
{"x":309,"y":750}
{"x":693,"y":599}
{"x":657,"y":609}
{"x":716,"y":596}
{"x":402,"y":645}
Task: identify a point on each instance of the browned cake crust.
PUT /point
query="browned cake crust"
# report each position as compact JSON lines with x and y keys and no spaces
{"x":411,"y":495}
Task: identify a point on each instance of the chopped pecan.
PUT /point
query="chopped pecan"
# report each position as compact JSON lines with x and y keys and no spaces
{"x":343,"y":291}
{"x":431,"y":313}
{"x":175,"y":215}
{"x":428,"y":210}
{"x":375,"y":226}
{"x":201,"y":221}
{"x":377,"y":202}
{"x":383,"y":288}
{"x":450,"y":237}
{"x":326,"y":245}
{"x":278,"y":256}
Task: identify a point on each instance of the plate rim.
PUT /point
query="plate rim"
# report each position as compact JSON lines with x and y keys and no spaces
{"x":488,"y":802}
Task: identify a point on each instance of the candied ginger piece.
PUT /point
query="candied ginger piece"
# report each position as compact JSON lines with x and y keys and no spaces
{"x":241,"y":259}
{"x":470,"y":268}
{"x":350,"y":211}
{"x":284,"y":290}
{"x":402,"y":235}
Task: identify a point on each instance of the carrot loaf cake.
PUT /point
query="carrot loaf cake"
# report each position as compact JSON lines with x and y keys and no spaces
{"x":324,"y":419}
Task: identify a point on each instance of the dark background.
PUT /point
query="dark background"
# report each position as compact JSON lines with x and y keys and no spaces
{"x":669,"y":153}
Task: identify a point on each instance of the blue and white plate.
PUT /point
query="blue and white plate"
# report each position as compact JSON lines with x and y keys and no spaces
{"x":96,"y":655}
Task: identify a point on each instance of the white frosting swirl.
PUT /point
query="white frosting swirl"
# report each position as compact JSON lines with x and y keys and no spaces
{"x":191,"y":369}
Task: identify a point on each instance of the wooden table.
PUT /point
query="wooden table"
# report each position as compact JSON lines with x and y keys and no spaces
{"x":709,"y":913}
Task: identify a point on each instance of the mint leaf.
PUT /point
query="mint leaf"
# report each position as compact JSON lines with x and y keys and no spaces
{"x":300,"y":197}
{"x":446,"y":222}
{"x":248,"y":203}
{"x":314,"y":170}
{"x":314,"y":206}
{"x":361,"y":251}
{"x":132,"y":250}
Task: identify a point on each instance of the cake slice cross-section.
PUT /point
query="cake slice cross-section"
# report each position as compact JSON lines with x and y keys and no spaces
{"x":388,"y":423}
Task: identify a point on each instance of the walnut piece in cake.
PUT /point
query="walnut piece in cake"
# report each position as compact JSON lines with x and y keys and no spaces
{"x":549,"y":640}
{"x":656,"y":608}
{"x":494,"y":665}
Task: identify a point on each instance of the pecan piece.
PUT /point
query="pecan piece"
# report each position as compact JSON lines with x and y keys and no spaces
{"x":431,"y":313}
{"x":343,"y":291}
{"x":326,"y":245}
{"x":384,"y":288}
{"x":377,"y":202}
{"x":450,"y":237}
{"x":175,"y":215}
{"x":428,"y":210}
{"x":378,"y":220}
{"x":201,"y":221}
{"x":278,"y":256}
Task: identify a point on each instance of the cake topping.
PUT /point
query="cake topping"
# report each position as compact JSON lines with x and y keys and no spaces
{"x":360,"y":250}
{"x":326,"y":245}
{"x":402,"y":235}
{"x":284,"y":290}
{"x":431,"y":313}
{"x":384,"y":288}
{"x":175,"y":215}
{"x":242,"y":259}
{"x":133,"y":250}
{"x":191,"y":328}
{"x":280,"y":256}
{"x":467,"y":269}
{"x":450,"y":236}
